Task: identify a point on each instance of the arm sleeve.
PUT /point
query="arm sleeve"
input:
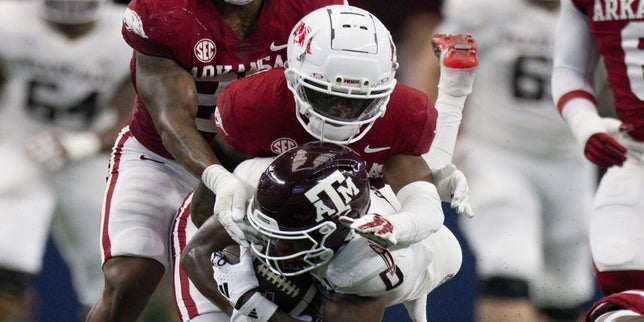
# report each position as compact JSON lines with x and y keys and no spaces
{"x":421,"y":212}
{"x":575,"y":58}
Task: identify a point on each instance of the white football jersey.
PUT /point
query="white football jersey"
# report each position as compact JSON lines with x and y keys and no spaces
{"x":57,"y":83}
{"x":511,"y":104}
{"x":400,"y":273}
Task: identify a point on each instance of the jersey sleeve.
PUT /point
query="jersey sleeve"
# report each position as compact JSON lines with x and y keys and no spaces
{"x":146,"y":30}
{"x":575,"y":57}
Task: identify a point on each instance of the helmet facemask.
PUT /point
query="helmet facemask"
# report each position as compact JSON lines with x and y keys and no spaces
{"x":310,"y":253}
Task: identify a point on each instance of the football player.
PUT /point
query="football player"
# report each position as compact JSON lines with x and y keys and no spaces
{"x":297,"y":213}
{"x":337,"y":89}
{"x":586,"y":30}
{"x":531,"y":188}
{"x":185,"y":52}
{"x":66,"y":94}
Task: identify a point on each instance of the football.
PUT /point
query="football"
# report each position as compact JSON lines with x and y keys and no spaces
{"x":296,"y":295}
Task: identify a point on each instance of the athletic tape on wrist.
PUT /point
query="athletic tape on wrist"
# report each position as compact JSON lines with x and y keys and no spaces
{"x":258,"y":308}
{"x":583,"y":119}
{"x":210,"y":175}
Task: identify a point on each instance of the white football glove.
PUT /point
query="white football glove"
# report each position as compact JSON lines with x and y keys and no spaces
{"x":453,"y":188}
{"x":373,"y":227}
{"x":234,"y":280}
{"x":55,"y":151}
{"x":230,"y":200}
{"x":237,"y":316}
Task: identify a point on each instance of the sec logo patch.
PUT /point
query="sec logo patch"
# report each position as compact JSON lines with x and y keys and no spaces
{"x":205,"y":50}
{"x":282,"y":145}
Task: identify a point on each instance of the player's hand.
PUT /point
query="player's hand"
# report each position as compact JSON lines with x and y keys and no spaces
{"x":55,"y":151}
{"x":230,"y":200}
{"x":452,"y":187}
{"x":373,"y":227}
{"x":604,"y":151}
{"x":458,"y":62}
{"x":234,"y":280}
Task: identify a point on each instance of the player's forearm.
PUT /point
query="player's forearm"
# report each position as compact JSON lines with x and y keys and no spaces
{"x":181,"y":138}
{"x":575,"y":56}
{"x":170,"y":95}
{"x":196,"y":263}
{"x":421,"y":212}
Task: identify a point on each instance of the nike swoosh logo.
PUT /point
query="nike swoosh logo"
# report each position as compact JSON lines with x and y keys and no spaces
{"x":275,"y":47}
{"x":368,"y":149}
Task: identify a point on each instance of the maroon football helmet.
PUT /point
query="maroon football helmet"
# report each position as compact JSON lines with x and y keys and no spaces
{"x":298,"y":202}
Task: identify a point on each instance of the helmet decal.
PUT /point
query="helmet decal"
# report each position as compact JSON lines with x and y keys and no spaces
{"x":298,"y":202}
{"x":337,"y":189}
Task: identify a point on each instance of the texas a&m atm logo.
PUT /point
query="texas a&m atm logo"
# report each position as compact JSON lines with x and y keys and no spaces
{"x":337,"y":189}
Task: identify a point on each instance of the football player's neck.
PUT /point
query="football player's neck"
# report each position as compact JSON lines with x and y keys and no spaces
{"x":241,"y":19}
{"x":73,"y":31}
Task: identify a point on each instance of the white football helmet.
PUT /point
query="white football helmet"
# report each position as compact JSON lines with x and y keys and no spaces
{"x":341,"y":69}
{"x":71,"y":11}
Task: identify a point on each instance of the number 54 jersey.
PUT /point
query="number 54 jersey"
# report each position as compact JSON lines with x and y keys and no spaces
{"x":54,"y":82}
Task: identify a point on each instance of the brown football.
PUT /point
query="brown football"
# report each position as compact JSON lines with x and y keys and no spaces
{"x":296,"y":295}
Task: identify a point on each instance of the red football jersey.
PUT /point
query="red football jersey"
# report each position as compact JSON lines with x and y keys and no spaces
{"x":192,"y":33}
{"x":618,"y":33}
{"x":257,"y":116}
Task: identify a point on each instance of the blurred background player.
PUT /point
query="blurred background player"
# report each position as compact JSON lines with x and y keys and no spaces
{"x":412,"y":25}
{"x":285,"y":212}
{"x":186,"y":52}
{"x":585,"y":30}
{"x":66,"y":93}
{"x":530,"y":188}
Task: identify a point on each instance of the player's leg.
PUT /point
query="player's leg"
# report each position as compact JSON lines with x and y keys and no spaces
{"x":143,"y":193}
{"x":505,"y":236}
{"x":616,"y":237}
{"x":26,"y":209}
{"x":565,"y":286}
{"x":80,"y":189}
